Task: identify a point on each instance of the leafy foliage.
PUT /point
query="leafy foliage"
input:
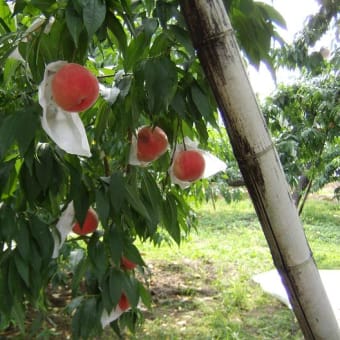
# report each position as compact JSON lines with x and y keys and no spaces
{"x":297,"y":55}
{"x":144,"y":49}
{"x":305,"y":123}
{"x":250,"y":21}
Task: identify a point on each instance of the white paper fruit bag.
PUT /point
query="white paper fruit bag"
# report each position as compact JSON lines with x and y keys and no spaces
{"x":65,"y":128}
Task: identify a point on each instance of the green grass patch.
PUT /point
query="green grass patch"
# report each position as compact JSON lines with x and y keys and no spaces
{"x":203,"y":289}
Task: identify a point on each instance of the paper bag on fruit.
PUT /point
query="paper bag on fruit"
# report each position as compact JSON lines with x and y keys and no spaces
{"x":61,"y":104}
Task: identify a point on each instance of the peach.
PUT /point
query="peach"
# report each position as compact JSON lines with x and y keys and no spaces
{"x":127,"y":264}
{"x":123,"y":302}
{"x":189,"y":165}
{"x":74,"y":88}
{"x":90,"y":223}
{"x":151,"y":143}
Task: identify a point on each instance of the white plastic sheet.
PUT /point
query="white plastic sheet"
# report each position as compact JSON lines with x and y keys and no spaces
{"x":272,"y":284}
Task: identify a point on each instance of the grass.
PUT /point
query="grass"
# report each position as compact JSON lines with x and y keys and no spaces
{"x":203,"y":289}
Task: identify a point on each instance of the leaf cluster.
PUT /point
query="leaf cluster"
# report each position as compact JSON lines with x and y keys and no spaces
{"x":305,"y":123}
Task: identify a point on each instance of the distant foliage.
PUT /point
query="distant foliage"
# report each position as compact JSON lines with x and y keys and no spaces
{"x":305,"y":122}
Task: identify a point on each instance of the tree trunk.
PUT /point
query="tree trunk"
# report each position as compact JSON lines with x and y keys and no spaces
{"x":301,"y":186}
{"x":260,"y":166}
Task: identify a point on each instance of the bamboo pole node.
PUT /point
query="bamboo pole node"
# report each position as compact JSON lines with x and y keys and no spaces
{"x":256,"y":155}
{"x":211,"y":39}
{"x":301,"y":264}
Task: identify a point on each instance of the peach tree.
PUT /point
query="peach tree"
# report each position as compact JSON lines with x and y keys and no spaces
{"x":148,"y":74}
{"x":304,"y":116}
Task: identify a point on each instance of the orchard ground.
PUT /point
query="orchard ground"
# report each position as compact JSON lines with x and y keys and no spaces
{"x":203,"y":289}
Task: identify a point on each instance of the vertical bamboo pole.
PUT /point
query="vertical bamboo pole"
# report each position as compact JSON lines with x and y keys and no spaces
{"x":222,"y":63}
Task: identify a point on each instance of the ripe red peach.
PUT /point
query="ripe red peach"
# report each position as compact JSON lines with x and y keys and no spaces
{"x":123,"y":302}
{"x":127,"y":264}
{"x":152,"y":142}
{"x":189,"y":165}
{"x":74,"y":88}
{"x":90,"y":223}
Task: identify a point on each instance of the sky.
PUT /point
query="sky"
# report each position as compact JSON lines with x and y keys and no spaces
{"x":295,"y":13}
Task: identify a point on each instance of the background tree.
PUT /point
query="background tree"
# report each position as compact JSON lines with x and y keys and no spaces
{"x":304,"y":117}
{"x":304,"y":120}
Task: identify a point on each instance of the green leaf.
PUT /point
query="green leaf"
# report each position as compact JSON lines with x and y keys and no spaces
{"x":5,"y":296}
{"x":178,"y":103}
{"x":15,"y":285}
{"x":115,"y":240}
{"x":135,"y":201}
{"x":74,"y":23}
{"x":8,"y":223}
{"x":170,"y":218}
{"x":86,"y":319}
{"x":35,"y":260}
{"x":23,"y":239}
{"x":29,"y":184}
{"x":22,"y":268}
{"x":115,"y":282}
{"x":182,"y":36}
{"x":80,"y":196}
{"x":19,"y":6}
{"x":152,"y":192}
{"x":93,"y":15}
{"x":166,"y":11}
{"x":19,"y":316}
{"x":74,"y":303}
{"x":117,"y":191}
{"x":105,"y":293}
{"x":7,"y":20}
{"x":161,"y":43}
{"x":202,"y":103}
{"x":43,"y":166}
{"x":7,"y":132}
{"x":43,"y":237}
{"x":132,"y":253}
{"x":272,"y":14}
{"x":102,"y":205}
{"x":101,"y":120}
{"x":78,"y":275}
{"x":130,"y":287}
{"x":145,"y":295}
{"x":43,"y":5}
{"x":5,"y":171}
{"x":160,"y":70}
{"x":136,"y":51}
{"x":97,"y":256}
{"x":149,"y":26}
{"x":117,"y":29}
